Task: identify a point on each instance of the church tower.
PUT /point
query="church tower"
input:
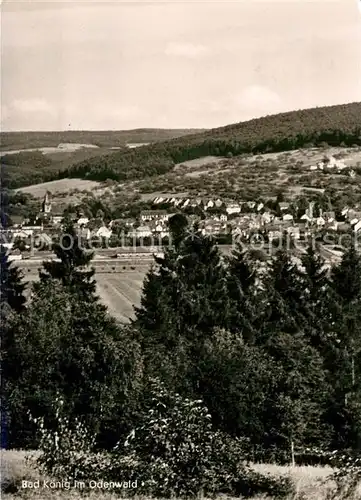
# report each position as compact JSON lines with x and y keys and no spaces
{"x":46,"y":206}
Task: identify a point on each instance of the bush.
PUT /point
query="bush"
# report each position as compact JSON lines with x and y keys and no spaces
{"x":174,"y":451}
{"x":347,"y":475}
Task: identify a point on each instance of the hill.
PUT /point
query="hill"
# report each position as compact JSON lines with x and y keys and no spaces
{"x":334,"y":125}
{"x":103,"y":138}
{"x":22,"y":167}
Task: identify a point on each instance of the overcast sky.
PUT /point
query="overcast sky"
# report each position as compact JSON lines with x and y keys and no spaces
{"x":121,"y":65}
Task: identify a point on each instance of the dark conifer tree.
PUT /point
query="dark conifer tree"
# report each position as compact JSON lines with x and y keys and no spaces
{"x":241,"y":278}
{"x":12,"y":284}
{"x":72,"y":268}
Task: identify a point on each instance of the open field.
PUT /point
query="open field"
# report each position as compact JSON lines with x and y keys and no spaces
{"x":311,"y":482}
{"x":59,"y":186}
{"x":120,"y":292}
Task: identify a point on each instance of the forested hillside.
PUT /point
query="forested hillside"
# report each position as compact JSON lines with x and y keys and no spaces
{"x":102,"y":138}
{"x":334,"y":125}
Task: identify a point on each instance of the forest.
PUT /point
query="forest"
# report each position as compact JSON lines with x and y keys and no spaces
{"x":333,"y":125}
{"x":228,"y":361}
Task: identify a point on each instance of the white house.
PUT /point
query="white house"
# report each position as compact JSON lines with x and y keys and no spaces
{"x":233,"y":208}
{"x":148,"y":215}
{"x":294,"y":231}
{"x":57,"y":219}
{"x":142,"y":232}
{"x":284,"y":206}
{"x":83,"y":221}
{"x":287,"y":217}
{"x":104,"y":232}
{"x":320,"y":221}
{"x":357,"y":226}
{"x":223,"y":218}
{"x":266,"y":217}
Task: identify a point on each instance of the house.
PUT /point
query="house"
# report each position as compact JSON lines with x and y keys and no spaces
{"x":57,"y":219}
{"x":260,"y":206}
{"x":141,"y":232}
{"x":149,"y":215}
{"x":233,"y":208}
{"x":251,"y":204}
{"x":283,"y":205}
{"x":320,"y":221}
{"x":294,"y":232}
{"x":329,"y":216}
{"x":82,"y":221}
{"x":104,"y":232}
{"x":306,"y":218}
{"x":353,"y":215}
{"x":287,"y":217}
{"x":121,"y":222}
{"x":218,"y":203}
{"x":266,"y":218}
{"x":344,"y":211}
{"x":332,"y":225}
{"x":223,"y":218}
{"x":357,"y":227}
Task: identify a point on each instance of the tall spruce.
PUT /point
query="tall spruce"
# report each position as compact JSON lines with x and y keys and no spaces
{"x":241,"y":278}
{"x":281,"y":298}
{"x":318,"y":299}
{"x":72,"y":268}
{"x":12,"y":286}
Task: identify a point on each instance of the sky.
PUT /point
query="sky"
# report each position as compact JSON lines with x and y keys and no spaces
{"x":99,"y":65}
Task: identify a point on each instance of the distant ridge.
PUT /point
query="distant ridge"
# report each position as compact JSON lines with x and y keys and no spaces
{"x":334,"y":125}
{"x":101,"y":138}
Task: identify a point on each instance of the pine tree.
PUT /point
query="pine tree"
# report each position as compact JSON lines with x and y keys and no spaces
{"x":241,"y":278}
{"x":281,"y":297}
{"x":346,"y":277}
{"x":12,"y":285}
{"x":178,"y":225}
{"x":73,"y":266}
{"x":317,"y":298}
{"x":202,"y":301}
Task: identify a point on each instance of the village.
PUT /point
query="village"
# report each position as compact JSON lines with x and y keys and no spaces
{"x":225,"y":220}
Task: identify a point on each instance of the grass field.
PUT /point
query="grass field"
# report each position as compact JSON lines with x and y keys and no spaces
{"x":120,"y":292}
{"x":59,"y":186}
{"x":311,"y":482}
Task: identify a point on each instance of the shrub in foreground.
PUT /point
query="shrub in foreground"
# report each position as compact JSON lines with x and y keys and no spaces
{"x":173,"y":452}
